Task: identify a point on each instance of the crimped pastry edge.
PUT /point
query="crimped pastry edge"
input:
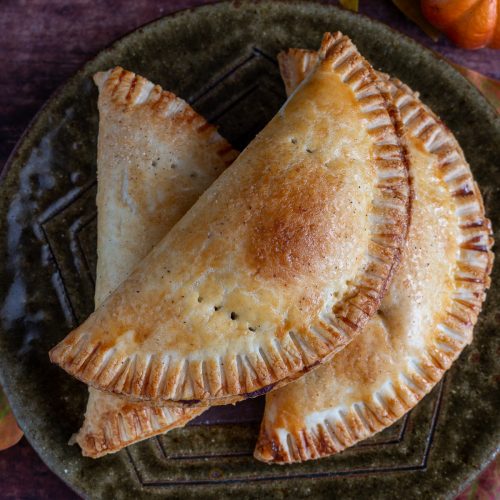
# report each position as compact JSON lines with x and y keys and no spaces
{"x":207,"y":380}
{"x":365,"y":418}
{"x":113,"y":429}
{"x":126,"y":90}
{"x":129,"y":425}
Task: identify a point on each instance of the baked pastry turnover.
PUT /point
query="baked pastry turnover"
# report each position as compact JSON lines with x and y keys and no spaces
{"x":276,"y":267}
{"x":426,"y":318}
{"x":156,"y":156}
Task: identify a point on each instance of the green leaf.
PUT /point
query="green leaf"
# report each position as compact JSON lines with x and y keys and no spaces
{"x":350,"y":4}
{"x":411,"y":9}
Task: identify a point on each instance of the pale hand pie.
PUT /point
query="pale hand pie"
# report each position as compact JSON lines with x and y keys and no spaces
{"x":276,"y":267}
{"x":155,"y":157}
{"x":426,"y":318}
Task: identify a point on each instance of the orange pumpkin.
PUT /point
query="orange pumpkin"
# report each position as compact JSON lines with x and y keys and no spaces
{"x":470,"y":24}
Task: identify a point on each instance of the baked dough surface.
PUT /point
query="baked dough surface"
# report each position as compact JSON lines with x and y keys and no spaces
{"x":276,"y":267}
{"x":151,"y":167}
{"x":426,"y":318}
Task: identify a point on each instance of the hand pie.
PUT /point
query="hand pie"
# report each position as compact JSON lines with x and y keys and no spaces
{"x":276,"y":267}
{"x":155,"y":157}
{"x":425,"y":319}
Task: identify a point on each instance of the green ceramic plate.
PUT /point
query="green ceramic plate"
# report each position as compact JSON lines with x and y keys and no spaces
{"x":222,"y":59}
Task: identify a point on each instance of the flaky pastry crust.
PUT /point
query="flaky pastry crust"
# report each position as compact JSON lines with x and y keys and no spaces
{"x":426,"y":318}
{"x":112,"y":423}
{"x":278,"y":265}
{"x":152,"y":166}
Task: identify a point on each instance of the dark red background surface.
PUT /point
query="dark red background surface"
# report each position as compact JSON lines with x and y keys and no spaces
{"x":42,"y":43}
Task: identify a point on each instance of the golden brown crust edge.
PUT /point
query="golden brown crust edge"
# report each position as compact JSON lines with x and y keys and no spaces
{"x":86,"y":361}
{"x":126,"y":89}
{"x":131,"y":424}
{"x":113,"y":423}
{"x":471,"y":282}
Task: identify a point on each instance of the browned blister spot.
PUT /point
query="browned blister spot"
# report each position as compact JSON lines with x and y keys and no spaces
{"x":291,"y":233}
{"x":141,"y":334}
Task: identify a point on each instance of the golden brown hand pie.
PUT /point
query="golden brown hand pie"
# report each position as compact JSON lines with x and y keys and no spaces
{"x":426,"y":318}
{"x":155,"y":157}
{"x":278,"y":264}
